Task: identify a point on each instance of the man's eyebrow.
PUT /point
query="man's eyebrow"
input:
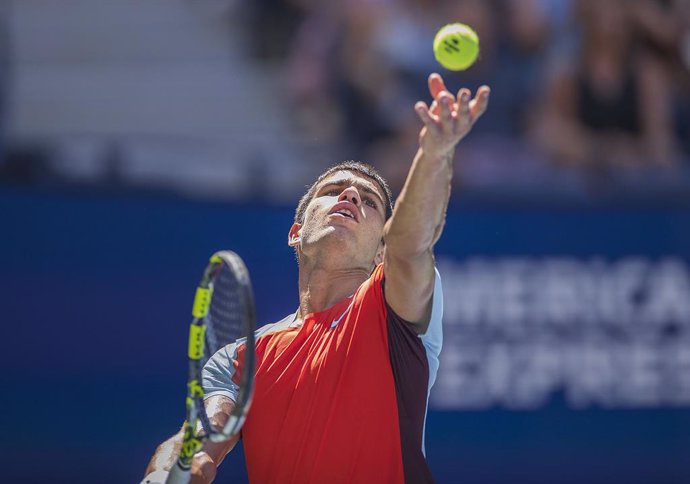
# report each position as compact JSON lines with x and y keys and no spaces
{"x":365,"y":188}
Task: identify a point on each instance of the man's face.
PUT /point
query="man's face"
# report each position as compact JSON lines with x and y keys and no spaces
{"x":345,"y":218}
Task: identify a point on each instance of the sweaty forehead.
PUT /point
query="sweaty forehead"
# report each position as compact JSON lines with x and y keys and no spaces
{"x":343,"y":177}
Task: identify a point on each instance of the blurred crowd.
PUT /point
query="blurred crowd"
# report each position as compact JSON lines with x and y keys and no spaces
{"x":587,"y":94}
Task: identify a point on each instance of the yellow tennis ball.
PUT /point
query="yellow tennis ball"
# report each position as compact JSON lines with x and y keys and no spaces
{"x":456,"y":46}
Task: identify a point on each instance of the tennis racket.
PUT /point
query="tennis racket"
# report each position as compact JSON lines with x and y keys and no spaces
{"x":223,"y":312}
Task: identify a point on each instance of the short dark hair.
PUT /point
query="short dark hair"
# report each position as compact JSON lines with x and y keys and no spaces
{"x":355,"y":167}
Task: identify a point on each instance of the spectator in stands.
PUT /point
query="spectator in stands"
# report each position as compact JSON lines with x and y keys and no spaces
{"x":311,"y":72}
{"x":608,"y":107}
{"x":681,"y":73}
{"x":664,"y":28}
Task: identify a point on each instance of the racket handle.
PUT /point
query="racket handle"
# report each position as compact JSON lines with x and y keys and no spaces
{"x":178,"y":475}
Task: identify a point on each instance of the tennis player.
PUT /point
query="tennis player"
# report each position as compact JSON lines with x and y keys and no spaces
{"x":342,"y":384}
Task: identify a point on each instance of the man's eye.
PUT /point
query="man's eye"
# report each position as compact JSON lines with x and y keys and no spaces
{"x":370,"y":202}
{"x":332,"y":192}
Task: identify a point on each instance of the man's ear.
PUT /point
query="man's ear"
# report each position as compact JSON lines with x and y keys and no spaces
{"x":380,"y":253}
{"x":295,"y":235}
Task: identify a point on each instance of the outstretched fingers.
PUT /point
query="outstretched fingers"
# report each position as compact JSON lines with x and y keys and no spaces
{"x":464,"y":96}
{"x":448,"y":116}
{"x":480,"y":102}
{"x":439,"y":91}
{"x":424,"y":113}
{"x":436,"y":85}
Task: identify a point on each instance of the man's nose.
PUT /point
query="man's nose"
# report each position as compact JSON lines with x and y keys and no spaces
{"x":350,"y":194}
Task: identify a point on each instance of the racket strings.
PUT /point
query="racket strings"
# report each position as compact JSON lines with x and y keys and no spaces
{"x":226,"y":316}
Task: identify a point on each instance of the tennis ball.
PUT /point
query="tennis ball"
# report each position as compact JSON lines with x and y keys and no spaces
{"x":456,"y":46}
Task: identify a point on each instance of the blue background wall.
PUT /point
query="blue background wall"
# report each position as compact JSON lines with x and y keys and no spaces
{"x":96,"y":291}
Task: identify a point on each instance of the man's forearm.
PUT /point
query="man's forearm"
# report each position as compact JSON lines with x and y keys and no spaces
{"x":205,"y":463}
{"x":420,"y":210}
{"x":204,"y":467}
{"x":166,"y":453}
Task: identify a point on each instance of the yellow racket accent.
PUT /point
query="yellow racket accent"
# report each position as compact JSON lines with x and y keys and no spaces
{"x":196,"y":341}
{"x":195,"y":389}
{"x":215,"y":259}
{"x":190,"y":445}
{"x":202,"y":299}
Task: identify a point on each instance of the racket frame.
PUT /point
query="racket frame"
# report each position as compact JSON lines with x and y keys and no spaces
{"x":192,"y":441}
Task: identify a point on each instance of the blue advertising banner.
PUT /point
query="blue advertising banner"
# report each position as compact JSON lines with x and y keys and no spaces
{"x":591,"y":306}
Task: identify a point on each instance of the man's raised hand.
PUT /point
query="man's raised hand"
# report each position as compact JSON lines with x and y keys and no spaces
{"x":449,"y":118}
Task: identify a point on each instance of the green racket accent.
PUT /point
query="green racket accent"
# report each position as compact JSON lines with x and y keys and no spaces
{"x":196,"y":341}
{"x":202,"y":299}
{"x":190,"y":445}
{"x":195,"y":389}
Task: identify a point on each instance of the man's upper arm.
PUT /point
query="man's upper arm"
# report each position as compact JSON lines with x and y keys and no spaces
{"x":410,"y":286}
{"x":218,"y":374}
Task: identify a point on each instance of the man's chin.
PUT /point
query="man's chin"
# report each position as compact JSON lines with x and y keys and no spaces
{"x":336,"y":237}
{"x":340,"y":233}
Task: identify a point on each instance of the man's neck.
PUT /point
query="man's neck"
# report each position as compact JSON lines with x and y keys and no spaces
{"x":322,"y":287}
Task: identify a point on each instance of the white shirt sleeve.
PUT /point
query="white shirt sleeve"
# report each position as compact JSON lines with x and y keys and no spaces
{"x":433,"y":338}
{"x":216,"y":377}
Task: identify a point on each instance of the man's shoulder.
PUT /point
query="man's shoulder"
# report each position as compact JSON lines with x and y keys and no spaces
{"x":374,"y":279}
{"x":371,"y":290}
{"x":288,"y":322}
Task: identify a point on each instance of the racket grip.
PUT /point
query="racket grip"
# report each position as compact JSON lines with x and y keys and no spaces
{"x":178,"y":475}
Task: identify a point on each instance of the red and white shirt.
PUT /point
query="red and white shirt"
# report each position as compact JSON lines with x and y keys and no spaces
{"x":339,"y":397}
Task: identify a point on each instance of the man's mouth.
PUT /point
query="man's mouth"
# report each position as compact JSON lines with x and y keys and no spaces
{"x":344,"y":209}
{"x":345,"y":212}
